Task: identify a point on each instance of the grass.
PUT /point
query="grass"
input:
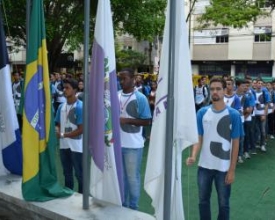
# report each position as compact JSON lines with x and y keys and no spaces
{"x":252,"y":195}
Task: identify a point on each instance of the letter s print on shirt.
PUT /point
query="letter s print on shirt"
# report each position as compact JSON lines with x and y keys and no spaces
{"x":223,"y":130}
{"x":131,"y":110}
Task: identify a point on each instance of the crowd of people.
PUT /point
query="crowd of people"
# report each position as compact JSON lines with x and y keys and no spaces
{"x":137,"y":100}
{"x":254,"y":99}
{"x":234,"y":122}
{"x":246,"y":125}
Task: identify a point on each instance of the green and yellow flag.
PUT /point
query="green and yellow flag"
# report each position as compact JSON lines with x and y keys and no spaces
{"x":39,"y":141}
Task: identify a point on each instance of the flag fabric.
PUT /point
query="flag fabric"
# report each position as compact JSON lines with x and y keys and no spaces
{"x":185,"y":125}
{"x":10,"y":137}
{"x":39,"y":140}
{"x":104,"y":140}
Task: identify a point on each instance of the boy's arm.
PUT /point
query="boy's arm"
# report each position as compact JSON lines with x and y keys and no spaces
{"x":230,"y":176}
{"x":195,"y":150}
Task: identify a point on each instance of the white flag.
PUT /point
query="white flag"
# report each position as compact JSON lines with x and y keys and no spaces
{"x":104,"y":137}
{"x":10,"y":137}
{"x":185,"y":125}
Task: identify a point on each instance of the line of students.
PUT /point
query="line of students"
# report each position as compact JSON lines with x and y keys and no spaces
{"x":134,"y":115}
{"x":228,"y":130}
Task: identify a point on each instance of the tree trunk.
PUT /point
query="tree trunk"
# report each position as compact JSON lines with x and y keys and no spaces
{"x":150,"y":57}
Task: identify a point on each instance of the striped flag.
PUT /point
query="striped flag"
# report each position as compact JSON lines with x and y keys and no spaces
{"x":106,"y":165}
{"x":39,"y":139}
{"x":185,"y":125}
{"x":10,"y":137}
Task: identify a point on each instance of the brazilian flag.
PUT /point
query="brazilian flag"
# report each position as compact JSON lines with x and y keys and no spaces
{"x":39,"y":141}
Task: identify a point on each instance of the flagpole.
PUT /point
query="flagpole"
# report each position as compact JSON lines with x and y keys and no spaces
{"x":86,"y":157}
{"x":170,"y":114}
{"x":28,"y":11}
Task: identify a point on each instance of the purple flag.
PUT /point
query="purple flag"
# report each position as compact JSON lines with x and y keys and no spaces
{"x":104,"y":138}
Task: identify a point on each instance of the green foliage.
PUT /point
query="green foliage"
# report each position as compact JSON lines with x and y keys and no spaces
{"x":65,"y":21}
{"x":142,"y":19}
{"x":129,"y":58}
{"x":235,"y":13}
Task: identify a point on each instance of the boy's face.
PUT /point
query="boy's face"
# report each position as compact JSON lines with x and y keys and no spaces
{"x":68,"y":90}
{"x":216,"y":91}
{"x":126,"y":81}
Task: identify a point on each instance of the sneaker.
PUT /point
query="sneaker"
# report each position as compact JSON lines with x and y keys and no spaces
{"x":254,"y":152}
{"x":263,"y":148}
{"x":271,"y":137}
{"x":246,"y":155}
{"x":258,"y":146}
{"x":240,"y":160}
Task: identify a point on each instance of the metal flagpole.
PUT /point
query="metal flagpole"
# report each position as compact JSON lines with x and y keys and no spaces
{"x":28,"y":11}
{"x":170,"y":113}
{"x":86,"y":154}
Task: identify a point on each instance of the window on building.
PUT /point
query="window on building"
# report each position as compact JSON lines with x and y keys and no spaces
{"x":211,"y":36}
{"x":214,"y":68}
{"x":222,"y":39}
{"x":262,"y":34}
{"x":127,"y":47}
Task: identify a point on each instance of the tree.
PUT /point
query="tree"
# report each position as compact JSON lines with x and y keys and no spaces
{"x":129,"y":58}
{"x":64,"y":21}
{"x":236,"y":13}
{"x":143,"y":19}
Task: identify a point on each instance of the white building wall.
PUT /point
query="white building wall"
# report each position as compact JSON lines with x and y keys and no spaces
{"x":240,"y":46}
{"x":195,"y":69}
{"x":18,"y":55}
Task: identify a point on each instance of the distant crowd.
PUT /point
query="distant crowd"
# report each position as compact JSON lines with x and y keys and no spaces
{"x":254,"y":99}
{"x":137,"y":102}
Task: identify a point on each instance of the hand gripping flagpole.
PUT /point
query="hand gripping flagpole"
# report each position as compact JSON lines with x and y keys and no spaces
{"x":170,"y":113}
{"x":86,"y":157}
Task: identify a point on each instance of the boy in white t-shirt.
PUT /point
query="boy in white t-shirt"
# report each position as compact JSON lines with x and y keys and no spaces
{"x":69,"y":129}
{"x":220,"y":129}
{"x":134,"y":114}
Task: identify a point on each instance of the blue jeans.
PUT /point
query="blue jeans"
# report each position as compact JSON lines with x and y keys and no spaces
{"x":72,"y":160}
{"x":205,"y":181}
{"x":241,"y":146}
{"x":261,"y":125}
{"x":131,"y":159}
{"x":248,"y":138}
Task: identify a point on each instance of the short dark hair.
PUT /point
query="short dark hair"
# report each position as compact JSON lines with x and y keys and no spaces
{"x":240,"y":81}
{"x":130,"y":71}
{"x":203,"y":77}
{"x":248,"y":77}
{"x":259,"y":79}
{"x":15,"y":72}
{"x":72,"y":82}
{"x":218,"y":79}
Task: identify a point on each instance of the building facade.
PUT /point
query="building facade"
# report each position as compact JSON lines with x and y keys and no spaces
{"x":214,"y":51}
{"x":225,"y":50}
